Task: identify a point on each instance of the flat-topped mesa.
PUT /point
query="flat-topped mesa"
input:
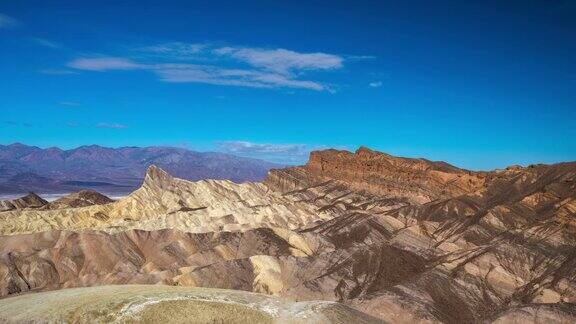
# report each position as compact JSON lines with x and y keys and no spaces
{"x":368,"y":160}
{"x":418,"y":180}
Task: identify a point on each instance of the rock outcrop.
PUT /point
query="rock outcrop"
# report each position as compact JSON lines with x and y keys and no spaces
{"x":404,"y":240}
{"x":167,"y":202}
{"x":31,"y":200}
{"x":81,"y":198}
{"x":417,"y":180}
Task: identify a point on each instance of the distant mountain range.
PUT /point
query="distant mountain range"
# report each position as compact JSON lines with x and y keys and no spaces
{"x":26,"y":168}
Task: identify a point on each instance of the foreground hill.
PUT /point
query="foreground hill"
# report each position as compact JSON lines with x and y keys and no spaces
{"x":28,"y":168}
{"x":404,"y":240}
{"x":165,"y":304}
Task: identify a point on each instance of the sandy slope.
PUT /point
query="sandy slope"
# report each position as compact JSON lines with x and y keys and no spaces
{"x":157,"y":304}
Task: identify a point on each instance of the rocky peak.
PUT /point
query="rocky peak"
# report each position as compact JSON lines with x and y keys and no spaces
{"x":363,"y":151}
{"x":31,"y":200}
{"x":157,"y":178}
{"x":81,"y":198}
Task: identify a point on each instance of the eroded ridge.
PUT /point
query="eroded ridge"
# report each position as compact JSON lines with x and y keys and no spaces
{"x":405,"y":240}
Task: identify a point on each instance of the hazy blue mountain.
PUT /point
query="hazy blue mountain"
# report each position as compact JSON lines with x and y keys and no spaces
{"x":26,"y":168}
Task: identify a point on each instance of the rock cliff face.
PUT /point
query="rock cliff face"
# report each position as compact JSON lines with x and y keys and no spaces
{"x":404,"y":240}
{"x":418,"y":180}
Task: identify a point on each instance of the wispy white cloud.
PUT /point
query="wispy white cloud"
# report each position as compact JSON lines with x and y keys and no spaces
{"x":111,"y":125}
{"x":232,"y":77}
{"x":69,"y":103}
{"x":231,"y":66}
{"x":8,"y":22}
{"x":375,"y":84}
{"x":57,"y":71}
{"x":46,"y":43}
{"x":360,"y":57}
{"x":174,"y":50}
{"x":278,"y":153}
{"x":282,"y":60}
{"x":104,"y":64}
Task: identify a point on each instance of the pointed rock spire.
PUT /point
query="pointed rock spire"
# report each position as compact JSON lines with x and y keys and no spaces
{"x":156,"y":177}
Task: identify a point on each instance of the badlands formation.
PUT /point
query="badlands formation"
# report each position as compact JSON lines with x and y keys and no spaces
{"x":31,"y":200}
{"x":402,"y":240}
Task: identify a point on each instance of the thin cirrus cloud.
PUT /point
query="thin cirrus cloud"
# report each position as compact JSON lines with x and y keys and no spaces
{"x":277,"y":153}
{"x":8,"y":22}
{"x":231,"y":77}
{"x":111,"y":125}
{"x":58,"y":71}
{"x":282,"y":60}
{"x":69,"y":103}
{"x":173,"y":50}
{"x":231,"y":66}
{"x":375,"y":84}
{"x":104,"y":64}
{"x":46,"y":43}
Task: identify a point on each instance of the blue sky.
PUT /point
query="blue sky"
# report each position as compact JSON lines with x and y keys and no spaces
{"x":479,"y":84}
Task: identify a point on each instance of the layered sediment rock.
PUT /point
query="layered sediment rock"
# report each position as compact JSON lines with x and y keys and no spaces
{"x":405,"y":240}
{"x":167,"y":202}
{"x":418,"y":180}
{"x":81,"y":198}
{"x":31,"y":200}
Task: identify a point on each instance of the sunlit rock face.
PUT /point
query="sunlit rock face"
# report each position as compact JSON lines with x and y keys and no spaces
{"x":404,"y":240}
{"x":417,"y":180}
